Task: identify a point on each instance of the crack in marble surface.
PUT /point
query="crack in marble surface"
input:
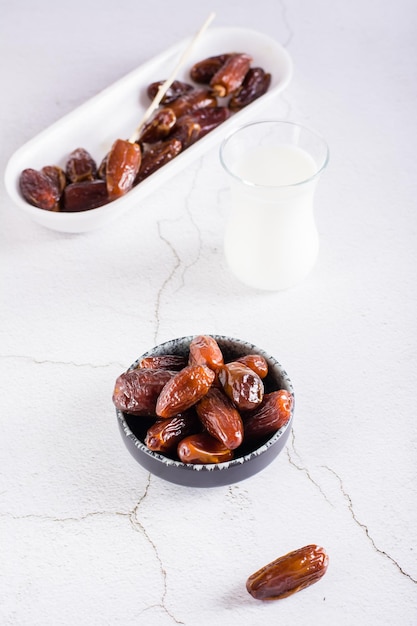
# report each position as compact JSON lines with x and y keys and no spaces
{"x":285,"y":21}
{"x":136,"y":525}
{"x":193,"y":223}
{"x":69,"y":518}
{"x":365,"y":528}
{"x":32,"y":359}
{"x":303,"y":468}
{"x":285,"y":44}
{"x":177,"y":263}
{"x":166,"y":281}
{"x":139,"y":527}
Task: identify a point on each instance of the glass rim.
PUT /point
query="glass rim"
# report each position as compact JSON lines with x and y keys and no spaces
{"x":249,"y":183}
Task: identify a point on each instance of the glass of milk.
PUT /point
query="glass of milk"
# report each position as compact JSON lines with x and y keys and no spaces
{"x":271,"y":240}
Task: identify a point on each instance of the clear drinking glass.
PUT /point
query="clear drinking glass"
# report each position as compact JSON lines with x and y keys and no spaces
{"x":271,"y":240}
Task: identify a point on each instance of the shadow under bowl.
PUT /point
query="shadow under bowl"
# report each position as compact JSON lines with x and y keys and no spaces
{"x":248,"y":460}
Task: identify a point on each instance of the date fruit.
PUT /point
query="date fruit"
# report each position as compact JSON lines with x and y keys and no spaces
{"x":289,"y":573}
{"x":189,"y":102}
{"x":155,"y":155}
{"x":187,"y":112}
{"x":256,"y":362}
{"x":177,"y":88}
{"x":204,"y":350}
{"x":193,"y":126}
{"x":38,"y":189}
{"x":84,"y":196}
{"x":165,"y":434}
{"x":231,"y":74}
{"x":221,"y":418}
{"x":203,"y":71}
{"x":187,"y":131}
{"x":101,"y":171}
{"x":219,"y":407}
{"x":80,"y":166}
{"x":159,"y":127}
{"x":137,"y":391}
{"x":184,"y":389}
{"x":242,"y":385}
{"x":202,"y":448}
{"x":209,"y":118}
{"x":163,"y":361}
{"x":255,"y":84}
{"x":123,"y":162}
{"x":57,"y":177}
{"x":273,"y":413}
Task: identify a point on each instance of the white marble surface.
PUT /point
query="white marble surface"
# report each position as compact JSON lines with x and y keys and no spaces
{"x":86,"y":535}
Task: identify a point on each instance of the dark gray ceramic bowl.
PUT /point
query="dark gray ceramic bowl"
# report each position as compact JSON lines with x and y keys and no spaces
{"x":251,"y":461}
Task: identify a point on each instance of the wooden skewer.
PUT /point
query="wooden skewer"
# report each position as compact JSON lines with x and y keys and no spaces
{"x":167,"y":84}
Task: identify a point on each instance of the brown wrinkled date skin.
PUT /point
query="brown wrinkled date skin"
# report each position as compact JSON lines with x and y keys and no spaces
{"x":57,"y":177}
{"x":203,"y":71}
{"x":204,"y":350}
{"x":202,"y":448}
{"x":177,"y":88}
{"x":187,"y":113}
{"x":193,"y":126}
{"x":256,"y":362}
{"x":80,"y":166}
{"x":220,"y":418}
{"x":155,"y":155}
{"x":163,"y":361}
{"x":165,"y":434}
{"x":189,"y":102}
{"x":255,"y":84}
{"x":123,"y":163}
{"x":289,"y":573}
{"x":38,"y":189}
{"x":84,"y":196}
{"x":187,"y":131}
{"x":271,"y":415}
{"x":159,"y":127}
{"x":231,"y":74}
{"x":204,"y":410}
{"x":101,"y":171}
{"x":242,"y":385}
{"x":208,"y":118}
{"x":137,"y":391}
{"x":184,"y":389}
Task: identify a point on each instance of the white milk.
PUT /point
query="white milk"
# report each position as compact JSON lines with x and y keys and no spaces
{"x":271,"y":240}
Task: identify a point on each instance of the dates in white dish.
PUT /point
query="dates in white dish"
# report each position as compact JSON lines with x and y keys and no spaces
{"x":221,"y":86}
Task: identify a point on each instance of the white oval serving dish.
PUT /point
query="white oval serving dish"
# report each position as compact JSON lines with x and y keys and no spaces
{"x":116,"y":111}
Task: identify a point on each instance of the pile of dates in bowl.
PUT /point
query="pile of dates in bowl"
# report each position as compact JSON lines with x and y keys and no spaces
{"x":204,"y":410}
